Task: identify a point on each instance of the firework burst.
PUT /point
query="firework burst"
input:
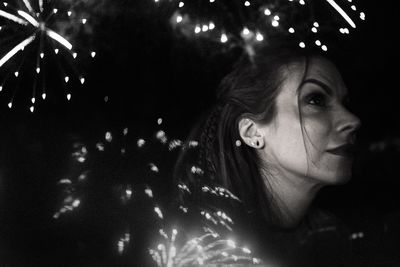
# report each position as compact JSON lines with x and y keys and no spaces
{"x":207,"y":249}
{"x":40,"y":44}
{"x":206,"y":241}
{"x":252,"y":23}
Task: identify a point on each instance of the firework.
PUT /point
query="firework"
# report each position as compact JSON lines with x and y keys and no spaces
{"x":206,"y":249}
{"x":248,"y":24}
{"x":209,"y":243}
{"x":72,"y":186}
{"x":39,"y":41}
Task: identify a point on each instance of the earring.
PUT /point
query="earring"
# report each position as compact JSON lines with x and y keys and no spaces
{"x":238,"y":143}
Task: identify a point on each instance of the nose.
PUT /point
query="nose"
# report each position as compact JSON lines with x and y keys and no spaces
{"x":348,"y":125}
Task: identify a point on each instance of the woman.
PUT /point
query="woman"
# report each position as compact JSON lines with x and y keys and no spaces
{"x":279,"y":132}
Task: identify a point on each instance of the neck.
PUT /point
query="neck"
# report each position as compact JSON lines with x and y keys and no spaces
{"x":292,"y":197}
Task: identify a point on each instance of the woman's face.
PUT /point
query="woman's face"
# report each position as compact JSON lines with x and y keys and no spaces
{"x":311,"y":150}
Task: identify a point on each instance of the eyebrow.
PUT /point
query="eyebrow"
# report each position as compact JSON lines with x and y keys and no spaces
{"x":324,"y":86}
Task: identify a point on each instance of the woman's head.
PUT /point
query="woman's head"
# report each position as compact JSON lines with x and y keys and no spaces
{"x":277,"y":115}
{"x":305,"y":138}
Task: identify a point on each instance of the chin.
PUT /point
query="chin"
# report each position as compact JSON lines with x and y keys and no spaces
{"x":340,"y":178}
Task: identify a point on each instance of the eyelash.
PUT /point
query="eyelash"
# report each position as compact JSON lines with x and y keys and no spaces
{"x":317,"y":96}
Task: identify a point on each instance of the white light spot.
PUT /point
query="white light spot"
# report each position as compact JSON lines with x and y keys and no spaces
{"x":318,"y":42}
{"x":224,"y":38}
{"x":82,"y":79}
{"x":275,"y":23}
{"x":362,"y":15}
{"x":181,"y":4}
{"x":291,"y":30}
{"x":16,"y":73}
{"x":246,"y":250}
{"x":55,"y":10}
{"x":69,"y":13}
{"x":245,"y":31}
{"x":259,"y":37}
{"x":154,"y":168}
{"x":267,"y":12}
{"x":10,"y":105}
{"x":84,"y":21}
{"x":231,"y":243}
{"x":93,"y":54}
{"x":149,"y":192}
{"x":76,"y":203}
{"x":302,"y":44}
{"x":108,"y":137}
{"x":197,"y":29}
{"x":66,"y":79}
{"x":100,"y":146}
{"x":353,"y":7}
{"x":179,"y":19}
{"x":74,"y":55}
{"x":204,"y":28}
{"x":128,"y":192}
{"x":56,"y":51}
{"x":246,"y":3}
{"x":302,"y":2}
{"x":324,"y":48}
{"x":141,"y":142}
{"x":41,"y":55}
{"x":33,"y":100}
{"x":32,"y":109}
{"x":314,"y":30}
{"x":44,"y":96}
{"x":37,"y":70}
{"x":211,"y":25}
{"x":316,"y":24}
{"x":158,"y":211}
{"x":69,"y":97}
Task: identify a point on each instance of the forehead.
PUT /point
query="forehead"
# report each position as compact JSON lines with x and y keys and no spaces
{"x":326,"y":72}
{"x":319,"y":69}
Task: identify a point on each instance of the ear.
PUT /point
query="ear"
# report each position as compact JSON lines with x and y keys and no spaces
{"x":250,"y":133}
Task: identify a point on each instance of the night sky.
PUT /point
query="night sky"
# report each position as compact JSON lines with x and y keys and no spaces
{"x":147,"y":71}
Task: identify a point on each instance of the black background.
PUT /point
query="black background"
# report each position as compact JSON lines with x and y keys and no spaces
{"x":148,"y":73}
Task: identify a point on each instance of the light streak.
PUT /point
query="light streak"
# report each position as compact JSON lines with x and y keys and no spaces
{"x":17,"y":48}
{"x":12,"y":17}
{"x":28,"y":6}
{"x":29,"y":18}
{"x":59,"y":39}
{"x":342,"y":13}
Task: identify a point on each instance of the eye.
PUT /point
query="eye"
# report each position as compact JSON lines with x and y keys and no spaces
{"x":316,"y":99}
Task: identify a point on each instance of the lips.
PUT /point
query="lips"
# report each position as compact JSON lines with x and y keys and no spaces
{"x":346,"y":150}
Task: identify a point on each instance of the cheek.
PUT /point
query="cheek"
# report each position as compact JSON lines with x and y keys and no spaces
{"x":296,"y":148}
{"x":317,"y":133}
{"x":288,"y":149}
{"x":324,"y":166}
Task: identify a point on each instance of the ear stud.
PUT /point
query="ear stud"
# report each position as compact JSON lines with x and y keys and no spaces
{"x":238,"y":143}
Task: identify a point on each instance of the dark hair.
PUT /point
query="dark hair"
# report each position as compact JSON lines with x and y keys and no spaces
{"x":249,"y":90}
